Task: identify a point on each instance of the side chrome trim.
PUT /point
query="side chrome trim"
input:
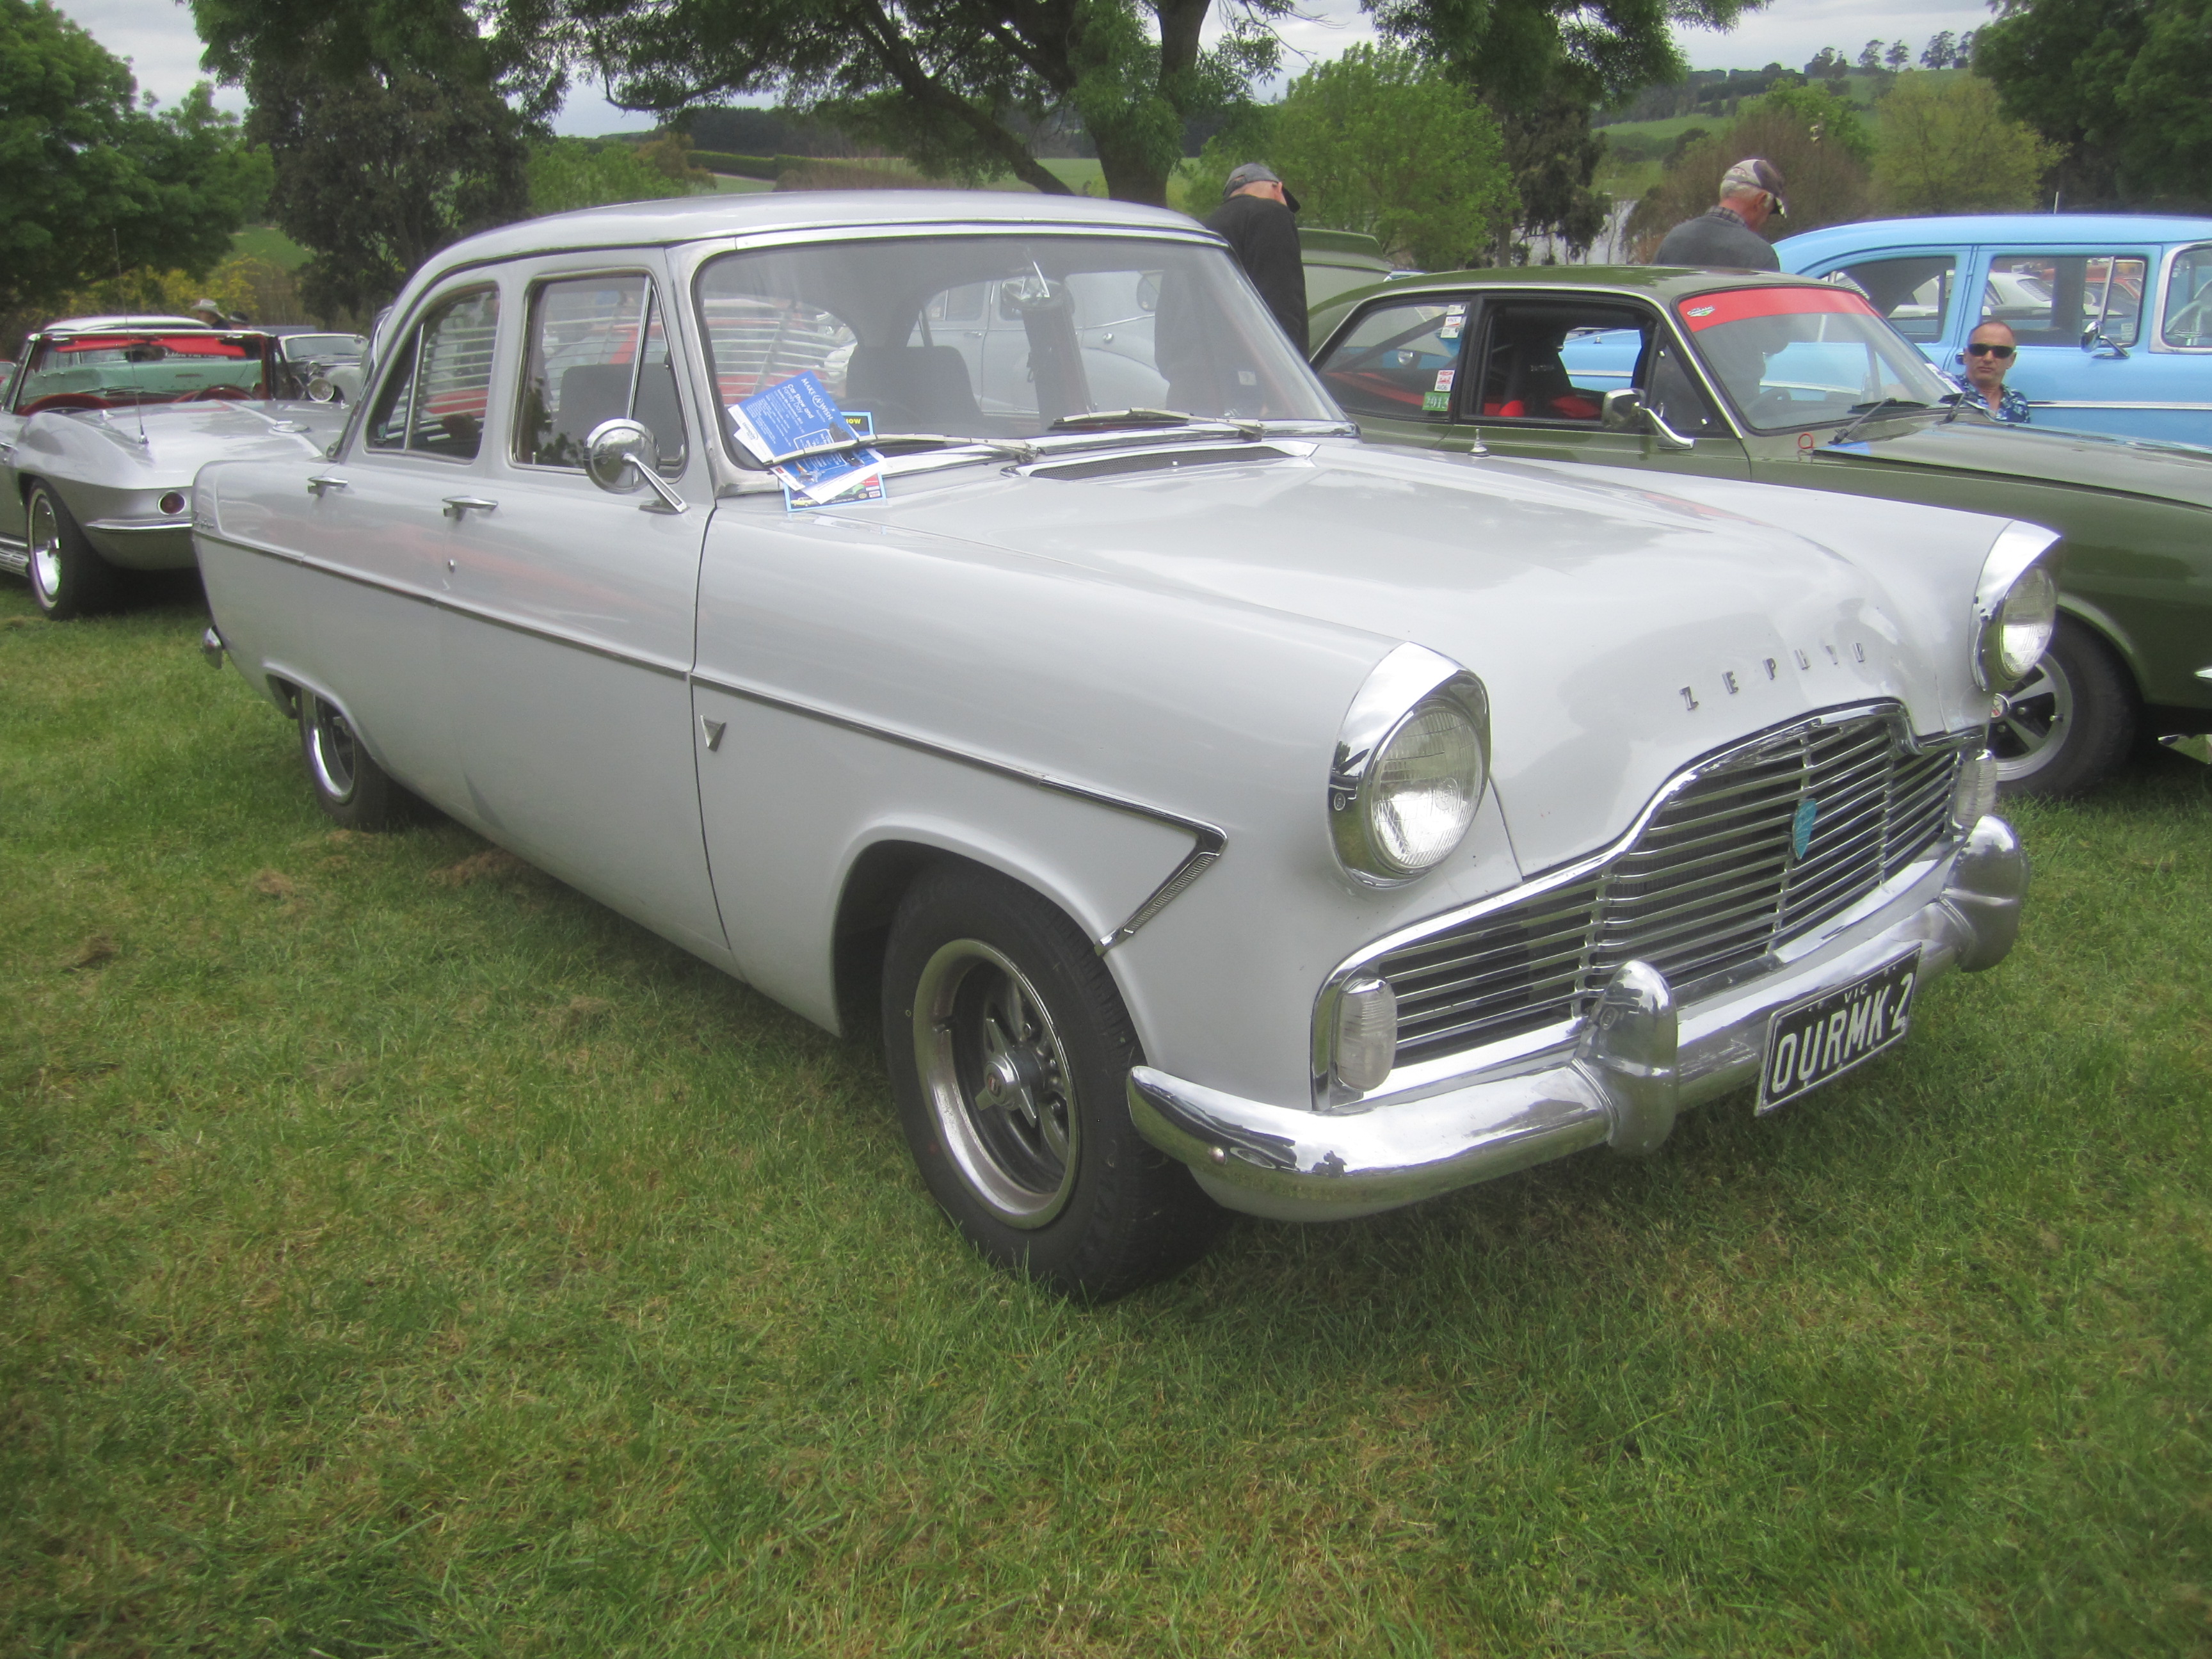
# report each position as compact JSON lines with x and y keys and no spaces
{"x":2070,"y":403}
{"x":1210,"y":842}
{"x":127,"y":526}
{"x":668,"y":667}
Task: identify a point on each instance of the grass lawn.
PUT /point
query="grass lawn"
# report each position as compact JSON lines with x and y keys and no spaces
{"x":405,"y":1255}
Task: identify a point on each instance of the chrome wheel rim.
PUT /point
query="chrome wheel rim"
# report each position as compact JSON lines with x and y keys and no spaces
{"x":998,"y":1080}
{"x":2034,"y":729}
{"x":332,"y":751}
{"x":45,"y":549}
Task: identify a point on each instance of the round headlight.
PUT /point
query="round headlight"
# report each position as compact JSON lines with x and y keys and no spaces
{"x":1422,"y":792}
{"x":2016,"y":604}
{"x":2024,"y":624}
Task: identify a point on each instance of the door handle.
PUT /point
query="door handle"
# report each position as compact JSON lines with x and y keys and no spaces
{"x":322,"y":482}
{"x":457,"y":505}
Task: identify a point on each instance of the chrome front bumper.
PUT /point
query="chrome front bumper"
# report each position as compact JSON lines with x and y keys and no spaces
{"x":1639,"y":1060}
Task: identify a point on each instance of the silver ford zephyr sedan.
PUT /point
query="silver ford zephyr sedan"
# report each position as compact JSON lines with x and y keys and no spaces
{"x":1210,"y":810}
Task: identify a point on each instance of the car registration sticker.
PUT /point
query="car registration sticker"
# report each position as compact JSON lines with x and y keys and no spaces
{"x":1812,"y":1042}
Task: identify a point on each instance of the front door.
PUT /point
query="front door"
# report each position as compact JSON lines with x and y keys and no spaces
{"x":568,"y":630}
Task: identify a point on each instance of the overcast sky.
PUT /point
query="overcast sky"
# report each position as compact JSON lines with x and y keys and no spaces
{"x":156,"y":36}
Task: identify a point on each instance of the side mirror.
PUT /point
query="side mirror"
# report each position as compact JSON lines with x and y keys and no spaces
{"x":619,"y":456}
{"x":1624,"y":411}
{"x":2095,"y":341}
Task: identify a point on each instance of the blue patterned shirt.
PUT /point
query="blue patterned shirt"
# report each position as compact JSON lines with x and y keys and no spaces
{"x":2012,"y":408}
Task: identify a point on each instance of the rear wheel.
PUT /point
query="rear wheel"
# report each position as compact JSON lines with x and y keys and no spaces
{"x":1010,"y":1051}
{"x":349,"y":787}
{"x":68,"y":579}
{"x":2071,"y":720}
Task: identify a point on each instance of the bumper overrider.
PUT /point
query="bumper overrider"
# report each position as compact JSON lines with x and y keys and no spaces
{"x":1641,"y":1057}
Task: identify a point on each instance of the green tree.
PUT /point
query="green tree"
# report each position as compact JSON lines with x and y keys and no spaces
{"x":390,"y":126}
{"x":1551,"y":158}
{"x":1947,"y":148}
{"x":1828,"y":118}
{"x":1826,"y":184}
{"x":2118,"y":86}
{"x":96,"y":182}
{"x":1381,"y":143}
{"x":569,"y":172}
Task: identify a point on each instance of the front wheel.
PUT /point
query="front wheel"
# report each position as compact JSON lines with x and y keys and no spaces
{"x":1010,"y":1051}
{"x":349,"y":787}
{"x":2071,"y":720}
{"x":69,"y":579}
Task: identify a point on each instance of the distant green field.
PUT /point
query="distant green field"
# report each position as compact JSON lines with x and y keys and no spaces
{"x":267,"y":242}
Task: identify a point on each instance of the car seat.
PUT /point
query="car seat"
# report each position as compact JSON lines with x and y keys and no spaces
{"x":914,"y":388}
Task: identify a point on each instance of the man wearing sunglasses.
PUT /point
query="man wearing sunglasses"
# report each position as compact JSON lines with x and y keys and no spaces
{"x":1990,"y":352}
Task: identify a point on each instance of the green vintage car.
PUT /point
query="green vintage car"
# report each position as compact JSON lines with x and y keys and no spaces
{"x":1785,"y":380}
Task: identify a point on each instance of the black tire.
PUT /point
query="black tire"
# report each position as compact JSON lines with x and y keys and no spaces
{"x":351,"y":788}
{"x":1009,"y":1053}
{"x":68,"y":578}
{"x":2073,"y":720}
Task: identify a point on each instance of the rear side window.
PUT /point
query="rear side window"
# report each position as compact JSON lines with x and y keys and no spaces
{"x":435,"y":402}
{"x":2050,"y":299}
{"x":1914,"y":293}
{"x":2189,"y":300}
{"x":1555,"y":360}
{"x":598,"y":351}
{"x":1399,"y":362}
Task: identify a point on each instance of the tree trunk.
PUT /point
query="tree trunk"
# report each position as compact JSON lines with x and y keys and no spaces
{"x":1130,"y":176}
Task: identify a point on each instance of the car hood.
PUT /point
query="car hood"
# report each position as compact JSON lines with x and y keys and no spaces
{"x":2090,"y":460}
{"x":176,"y":439}
{"x":1621,"y":631}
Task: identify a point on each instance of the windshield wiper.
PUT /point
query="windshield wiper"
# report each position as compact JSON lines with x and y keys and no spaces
{"x":915,"y":440}
{"x":1865,"y":412}
{"x":1123,"y":417}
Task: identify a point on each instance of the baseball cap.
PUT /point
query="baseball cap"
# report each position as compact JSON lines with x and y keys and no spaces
{"x":1256,"y":173}
{"x":1753,"y":172}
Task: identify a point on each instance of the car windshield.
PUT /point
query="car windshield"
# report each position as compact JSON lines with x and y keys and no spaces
{"x":330,"y":347}
{"x":1002,"y":337}
{"x":1791,"y":357}
{"x":107,"y":371}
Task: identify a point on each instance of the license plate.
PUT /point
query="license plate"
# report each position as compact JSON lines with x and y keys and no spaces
{"x":1814,"y":1041}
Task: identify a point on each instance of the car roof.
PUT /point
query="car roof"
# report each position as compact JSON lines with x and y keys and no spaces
{"x":698,"y":218}
{"x":693,"y":218}
{"x":130,"y":320}
{"x":2097,"y":230}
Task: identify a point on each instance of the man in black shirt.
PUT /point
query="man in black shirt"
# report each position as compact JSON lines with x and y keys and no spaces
{"x":1255,"y":219}
{"x":1728,"y":236}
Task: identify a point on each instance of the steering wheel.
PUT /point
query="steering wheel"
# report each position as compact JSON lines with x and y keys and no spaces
{"x":63,"y":400}
{"x":209,"y":393}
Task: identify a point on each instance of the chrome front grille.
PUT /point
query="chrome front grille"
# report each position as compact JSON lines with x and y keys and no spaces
{"x":1711,"y":881}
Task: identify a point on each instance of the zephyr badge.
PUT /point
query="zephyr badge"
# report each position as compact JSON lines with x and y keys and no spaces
{"x":1801,"y":827}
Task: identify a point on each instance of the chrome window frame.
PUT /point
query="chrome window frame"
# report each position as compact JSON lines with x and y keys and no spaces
{"x":353,"y":443}
{"x":2158,"y":341}
{"x":534,"y":284}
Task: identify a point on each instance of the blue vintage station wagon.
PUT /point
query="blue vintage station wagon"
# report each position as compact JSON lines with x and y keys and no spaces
{"x":2114,"y":311}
